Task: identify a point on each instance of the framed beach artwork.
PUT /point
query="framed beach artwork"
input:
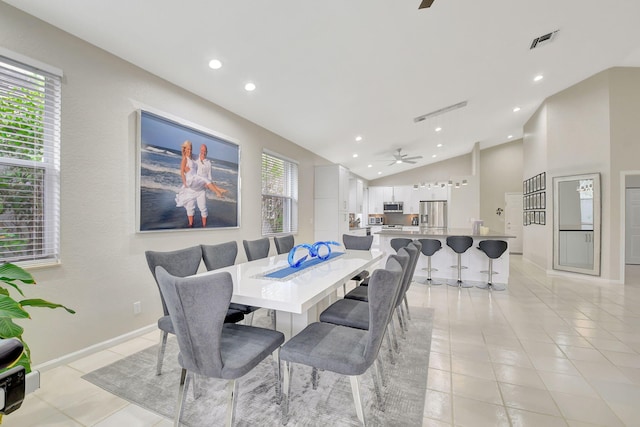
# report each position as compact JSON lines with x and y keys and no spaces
{"x":188,"y":176}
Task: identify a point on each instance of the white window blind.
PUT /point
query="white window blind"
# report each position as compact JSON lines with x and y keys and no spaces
{"x":279,"y":195}
{"x":29,"y":164}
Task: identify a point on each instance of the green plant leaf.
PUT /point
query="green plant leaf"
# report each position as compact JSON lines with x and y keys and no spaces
{"x":10,"y":272}
{"x":11,"y":308}
{"x":8,"y":329}
{"x":42,"y":303}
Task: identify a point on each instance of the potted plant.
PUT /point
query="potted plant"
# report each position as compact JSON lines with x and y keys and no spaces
{"x":11,"y":276}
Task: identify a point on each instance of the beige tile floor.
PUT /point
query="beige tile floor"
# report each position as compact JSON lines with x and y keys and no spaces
{"x":549,"y":351}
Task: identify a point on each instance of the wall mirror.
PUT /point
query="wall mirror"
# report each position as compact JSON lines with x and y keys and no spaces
{"x":576,"y":223}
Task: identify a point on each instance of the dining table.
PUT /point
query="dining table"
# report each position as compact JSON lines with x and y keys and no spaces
{"x":298,"y":298}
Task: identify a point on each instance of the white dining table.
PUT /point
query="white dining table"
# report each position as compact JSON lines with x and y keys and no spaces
{"x":299,"y":298}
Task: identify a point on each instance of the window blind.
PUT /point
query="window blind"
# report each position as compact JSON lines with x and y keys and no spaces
{"x":29,"y":164}
{"x":279,"y":195}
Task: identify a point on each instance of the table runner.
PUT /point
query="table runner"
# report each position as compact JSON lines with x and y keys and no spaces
{"x":287,"y":271}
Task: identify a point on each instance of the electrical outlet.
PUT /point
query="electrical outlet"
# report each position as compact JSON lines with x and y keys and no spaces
{"x":137,"y":307}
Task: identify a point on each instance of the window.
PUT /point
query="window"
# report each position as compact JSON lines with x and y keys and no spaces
{"x":29,"y":163}
{"x":279,"y":195}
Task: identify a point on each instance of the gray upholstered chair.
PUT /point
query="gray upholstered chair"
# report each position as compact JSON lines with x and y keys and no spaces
{"x":399,"y":242}
{"x":224,"y":255}
{"x":359,"y":243}
{"x":344,"y":350}
{"x":355,"y":314}
{"x":209,"y":347}
{"x":181,"y":263}
{"x":256,"y":249}
{"x":284,"y":244}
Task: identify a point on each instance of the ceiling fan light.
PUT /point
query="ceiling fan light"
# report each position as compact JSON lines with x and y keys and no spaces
{"x":398,"y":161}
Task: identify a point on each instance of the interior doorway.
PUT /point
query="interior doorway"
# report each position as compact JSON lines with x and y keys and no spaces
{"x":513,"y":221}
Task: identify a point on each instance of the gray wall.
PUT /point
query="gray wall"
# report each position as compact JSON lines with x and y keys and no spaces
{"x":103,"y":269}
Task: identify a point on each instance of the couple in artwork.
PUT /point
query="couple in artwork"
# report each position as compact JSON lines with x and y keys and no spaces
{"x":196,"y":179}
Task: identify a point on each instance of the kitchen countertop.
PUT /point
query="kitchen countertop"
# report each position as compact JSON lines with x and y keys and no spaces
{"x":359,"y":228}
{"x":424,"y":232}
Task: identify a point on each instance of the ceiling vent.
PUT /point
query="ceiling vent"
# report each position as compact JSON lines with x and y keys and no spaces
{"x":440,"y":111}
{"x":544,"y":39}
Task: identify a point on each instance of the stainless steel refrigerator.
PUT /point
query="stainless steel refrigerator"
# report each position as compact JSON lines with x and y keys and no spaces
{"x":433,"y":213}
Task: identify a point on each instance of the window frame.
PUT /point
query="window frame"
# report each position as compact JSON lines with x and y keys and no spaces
{"x":48,"y":252}
{"x":290,"y":200}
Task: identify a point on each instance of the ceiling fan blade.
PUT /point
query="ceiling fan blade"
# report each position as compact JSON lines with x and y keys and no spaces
{"x":392,"y":163}
{"x":409,"y":161}
{"x":425,"y":4}
{"x":411,"y":158}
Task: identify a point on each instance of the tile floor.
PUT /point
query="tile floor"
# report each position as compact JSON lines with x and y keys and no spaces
{"x":549,"y":351}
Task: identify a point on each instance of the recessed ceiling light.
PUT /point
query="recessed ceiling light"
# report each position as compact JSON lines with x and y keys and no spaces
{"x":510,"y":136}
{"x":439,"y":145}
{"x":434,"y":156}
{"x":358,"y":138}
{"x":249,"y":87}
{"x":379,"y":173}
{"x":516,"y":109}
{"x":438,"y":129}
{"x":369,"y":166}
{"x":538,"y":78}
{"x":215,"y":64}
{"x":355,"y":155}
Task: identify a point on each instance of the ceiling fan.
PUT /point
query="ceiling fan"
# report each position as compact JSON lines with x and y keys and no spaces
{"x":402,"y":158}
{"x":425,"y":4}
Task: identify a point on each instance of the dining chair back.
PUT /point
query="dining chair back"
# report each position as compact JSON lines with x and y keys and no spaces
{"x":256,"y":249}
{"x":284,"y":244}
{"x":208,"y":346}
{"x":180,"y":263}
{"x":220,"y":255}
{"x":361,"y":243}
{"x":224,"y":255}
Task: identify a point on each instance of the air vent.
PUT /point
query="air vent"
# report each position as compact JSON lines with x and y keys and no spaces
{"x":440,"y":111}
{"x":544,"y":39}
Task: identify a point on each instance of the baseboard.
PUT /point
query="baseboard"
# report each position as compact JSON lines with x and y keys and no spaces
{"x":71,"y":357}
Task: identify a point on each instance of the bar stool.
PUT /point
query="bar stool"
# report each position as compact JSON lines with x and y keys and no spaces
{"x":430,"y":247}
{"x":399,"y":242}
{"x":494,"y":250}
{"x":460,"y":244}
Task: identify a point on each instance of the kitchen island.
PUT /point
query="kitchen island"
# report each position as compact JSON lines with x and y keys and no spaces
{"x":474,"y":259}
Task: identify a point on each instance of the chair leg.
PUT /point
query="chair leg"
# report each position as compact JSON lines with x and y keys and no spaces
{"x":357,"y":399}
{"x":248,"y":319}
{"x":181,"y":396}
{"x":286,"y":389}
{"x":315,"y":376}
{"x":163,"y":345}
{"x":232,"y":388}
{"x":276,"y":362}
{"x":273,"y":319}
{"x":344,"y":289}
{"x":390,"y":344}
{"x":380,"y":366}
{"x":377,"y":386}
{"x":406,"y":305}
{"x":400,"y":320}
{"x":394,"y":336}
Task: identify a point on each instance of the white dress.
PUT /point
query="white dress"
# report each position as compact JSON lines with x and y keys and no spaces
{"x":195,"y":185}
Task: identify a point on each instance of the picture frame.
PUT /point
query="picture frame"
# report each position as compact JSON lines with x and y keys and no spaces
{"x":543,"y":200}
{"x":524,"y":219}
{"x":175,"y":193}
{"x":543,"y":218}
{"x":536,"y":219}
{"x":543,"y":181}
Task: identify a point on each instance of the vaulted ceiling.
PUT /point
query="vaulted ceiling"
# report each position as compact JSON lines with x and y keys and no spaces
{"x":327,"y":72}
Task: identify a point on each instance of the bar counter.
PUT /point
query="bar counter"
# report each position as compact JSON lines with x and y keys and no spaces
{"x":474,"y":259}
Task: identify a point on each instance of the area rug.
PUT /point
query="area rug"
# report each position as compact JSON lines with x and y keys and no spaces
{"x":133,"y":379}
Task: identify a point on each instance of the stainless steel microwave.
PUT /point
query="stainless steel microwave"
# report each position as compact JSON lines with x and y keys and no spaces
{"x":393,"y":207}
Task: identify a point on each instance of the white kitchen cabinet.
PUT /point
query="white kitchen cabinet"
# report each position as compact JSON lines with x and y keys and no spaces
{"x":576,"y":248}
{"x":402,"y":194}
{"x":376,"y":196}
{"x":331,"y":192}
{"x":387,"y":195}
{"x":356,"y":195}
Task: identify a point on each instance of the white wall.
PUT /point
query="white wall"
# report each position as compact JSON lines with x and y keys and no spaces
{"x":103,"y":268}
